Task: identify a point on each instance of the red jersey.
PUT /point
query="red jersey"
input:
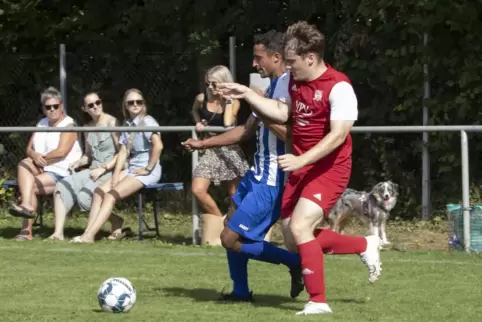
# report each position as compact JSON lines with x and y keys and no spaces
{"x":311,"y":112}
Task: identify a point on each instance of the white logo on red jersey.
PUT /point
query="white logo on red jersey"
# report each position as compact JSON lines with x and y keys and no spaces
{"x":318,"y":95}
{"x":303,"y":109}
{"x":293,"y":88}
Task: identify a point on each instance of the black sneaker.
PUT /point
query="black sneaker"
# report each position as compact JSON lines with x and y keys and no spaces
{"x":233,"y":297}
{"x":297,"y":283}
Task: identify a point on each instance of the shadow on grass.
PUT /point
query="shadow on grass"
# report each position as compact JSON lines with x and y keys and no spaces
{"x":212,"y":295}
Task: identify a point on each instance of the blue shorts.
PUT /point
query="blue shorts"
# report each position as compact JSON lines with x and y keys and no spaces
{"x":55,"y":176}
{"x":258,"y":208}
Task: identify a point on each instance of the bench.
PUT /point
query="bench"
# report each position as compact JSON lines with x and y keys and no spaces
{"x":157,"y":187}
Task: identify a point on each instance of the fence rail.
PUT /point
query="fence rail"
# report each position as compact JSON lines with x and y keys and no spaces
{"x":188,"y":128}
{"x":462,"y":129}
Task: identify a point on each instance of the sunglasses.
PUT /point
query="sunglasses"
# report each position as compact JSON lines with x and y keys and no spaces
{"x":213,"y":84}
{"x":96,"y":103}
{"x":52,"y":107}
{"x":136,"y":102}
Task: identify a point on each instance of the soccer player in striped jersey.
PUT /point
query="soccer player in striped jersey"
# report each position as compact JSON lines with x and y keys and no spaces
{"x":257,"y":202}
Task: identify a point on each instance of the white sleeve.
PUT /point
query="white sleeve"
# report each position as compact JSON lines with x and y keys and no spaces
{"x":343,"y":103}
{"x":283,"y":90}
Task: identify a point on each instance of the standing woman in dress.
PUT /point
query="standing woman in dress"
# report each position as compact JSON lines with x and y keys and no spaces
{"x":141,"y":150}
{"x":225,"y":164}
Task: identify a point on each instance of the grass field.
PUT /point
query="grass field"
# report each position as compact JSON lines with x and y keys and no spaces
{"x":58,"y":281}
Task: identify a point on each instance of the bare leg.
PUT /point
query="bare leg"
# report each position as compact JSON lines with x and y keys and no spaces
{"x":60,"y":215}
{"x":98,"y":197}
{"x":126,"y":187}
{"x":200,"y":191}
{"x":43,"y":185}
{"x":289,"y":240}
{"x":26,"y":173}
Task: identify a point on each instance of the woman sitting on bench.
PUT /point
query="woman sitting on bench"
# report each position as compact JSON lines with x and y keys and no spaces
{"x":49,"y":155}
{"x":142,"y":151}
{"x":100,"y":153}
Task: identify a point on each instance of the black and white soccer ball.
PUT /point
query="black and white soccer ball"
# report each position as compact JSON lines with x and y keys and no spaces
{"x":116,"y":295}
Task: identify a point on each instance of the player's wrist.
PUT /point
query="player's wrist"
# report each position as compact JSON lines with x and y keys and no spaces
{"x":304,"y":160}
{"x":203,"y":144}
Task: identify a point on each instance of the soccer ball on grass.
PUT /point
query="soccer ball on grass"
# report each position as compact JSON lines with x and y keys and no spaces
{"x":116,"y":295}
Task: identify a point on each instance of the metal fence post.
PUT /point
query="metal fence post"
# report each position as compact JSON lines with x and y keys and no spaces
{"x":465,"y":188}
{"x":63,"y":76}
{"x":195,"y":206}
{"x":232,"y":56}
{"x":426,"y":211}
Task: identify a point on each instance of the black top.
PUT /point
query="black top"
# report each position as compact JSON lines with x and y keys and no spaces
{"x":213,"y":119}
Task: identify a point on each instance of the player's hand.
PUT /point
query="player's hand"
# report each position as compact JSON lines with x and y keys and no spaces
{"x":233,"y":90}
{"x":257,"y":90}
{"x":290,"y":162}
{"x":191,"y":144}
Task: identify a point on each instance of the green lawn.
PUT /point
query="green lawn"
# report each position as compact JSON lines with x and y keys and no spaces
{"x":58,"y":281}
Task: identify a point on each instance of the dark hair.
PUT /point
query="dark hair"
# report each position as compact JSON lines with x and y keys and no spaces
{"x":271,"y":40}
{"x":304,"y":38}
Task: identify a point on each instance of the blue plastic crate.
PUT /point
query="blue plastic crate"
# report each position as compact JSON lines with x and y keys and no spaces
{"x":456,"y":217}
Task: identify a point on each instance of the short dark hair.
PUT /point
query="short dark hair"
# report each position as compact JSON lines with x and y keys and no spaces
{"x":271,"y":40}
{"x":304,"y":38}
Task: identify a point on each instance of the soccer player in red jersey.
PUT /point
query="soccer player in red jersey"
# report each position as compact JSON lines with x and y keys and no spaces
{"x":322,"y":111}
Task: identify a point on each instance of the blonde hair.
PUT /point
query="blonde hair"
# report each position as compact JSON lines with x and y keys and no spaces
{"x":50,"y":93}
{"x":124,"y":103}
{"x":219,"y":72}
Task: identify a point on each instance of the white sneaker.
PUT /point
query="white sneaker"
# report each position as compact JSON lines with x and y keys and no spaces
{"x":371,"y":257}
{"x":315,"y":308}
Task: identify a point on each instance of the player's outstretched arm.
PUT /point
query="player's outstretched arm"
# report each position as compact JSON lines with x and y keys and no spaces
{"x":272,"y":110}
{"x":233,"y":136}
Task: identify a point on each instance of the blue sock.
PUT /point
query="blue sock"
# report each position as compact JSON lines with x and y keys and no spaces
{"x":267,"y":252}
{"x":238,"y":270}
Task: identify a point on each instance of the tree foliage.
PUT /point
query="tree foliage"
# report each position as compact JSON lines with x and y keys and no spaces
{"x":163,"y":47}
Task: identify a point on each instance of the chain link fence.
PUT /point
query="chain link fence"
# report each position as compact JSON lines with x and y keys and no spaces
{"x":22,"y":79}
{"x":167,"y":90}
{"x":169,"y":94}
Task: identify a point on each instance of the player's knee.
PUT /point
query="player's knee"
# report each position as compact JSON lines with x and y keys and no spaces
{"x":299,"y":229}
{"x":228,"y":240}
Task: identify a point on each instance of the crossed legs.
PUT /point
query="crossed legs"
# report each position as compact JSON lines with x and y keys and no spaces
{"x":32,"y":181}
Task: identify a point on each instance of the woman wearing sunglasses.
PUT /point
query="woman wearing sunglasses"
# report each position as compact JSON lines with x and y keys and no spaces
{"x":100,"y":155}
{"x":225,"y":164}
{"x":141,"y":150}
{"x":49,"y":155}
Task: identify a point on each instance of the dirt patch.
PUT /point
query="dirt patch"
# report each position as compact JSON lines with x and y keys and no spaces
{"x":404,"y":235}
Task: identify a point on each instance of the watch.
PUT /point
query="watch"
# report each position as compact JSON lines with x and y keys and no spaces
{"x":147,"y":168}
{"x":103,"y":166}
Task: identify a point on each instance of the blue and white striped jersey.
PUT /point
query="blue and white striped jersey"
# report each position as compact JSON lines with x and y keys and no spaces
{"x":268,"y":145}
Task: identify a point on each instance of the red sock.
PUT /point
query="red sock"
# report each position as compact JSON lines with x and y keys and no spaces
{"x":337,"y":244}
{"x":313,"y":270}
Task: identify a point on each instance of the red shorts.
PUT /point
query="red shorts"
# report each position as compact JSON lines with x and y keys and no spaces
{"x":322,"y":186}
